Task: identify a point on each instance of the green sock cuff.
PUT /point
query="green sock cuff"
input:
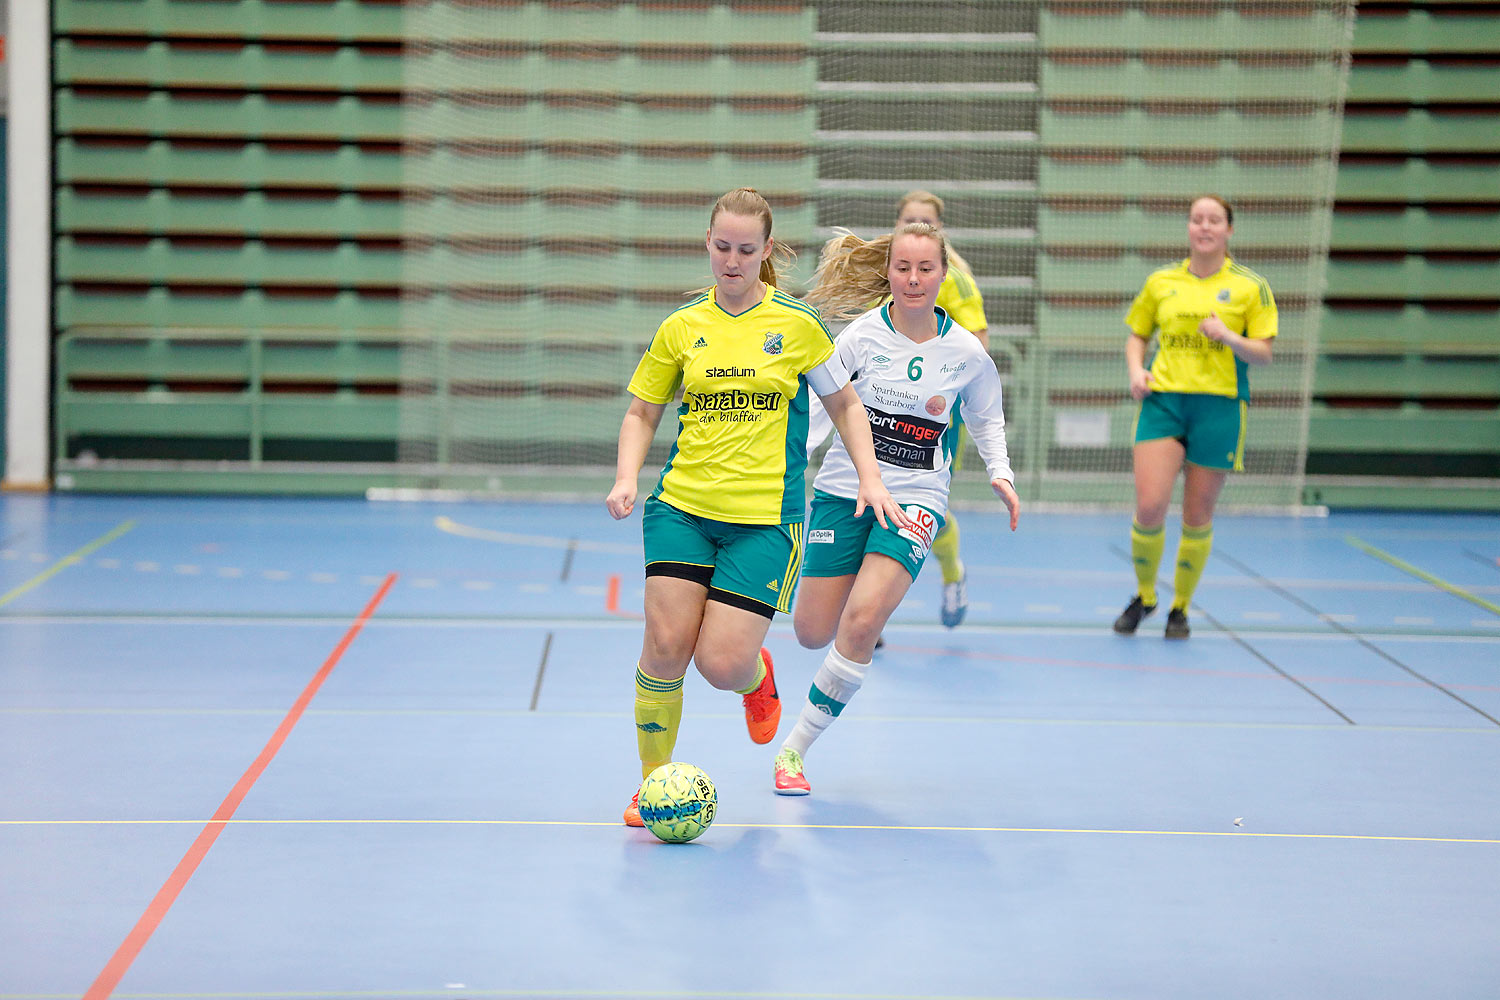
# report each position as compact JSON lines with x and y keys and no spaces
{"x":646,"y":684}
{"x":1135,"y":526}
{"x":1200,"y":532}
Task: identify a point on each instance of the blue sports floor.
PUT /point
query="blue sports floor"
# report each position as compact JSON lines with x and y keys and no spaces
{"x":338,"y":749}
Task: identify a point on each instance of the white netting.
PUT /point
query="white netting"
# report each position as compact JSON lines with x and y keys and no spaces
{"x":562,"y":159}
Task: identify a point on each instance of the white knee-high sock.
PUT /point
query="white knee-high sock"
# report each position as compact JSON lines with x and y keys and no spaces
{"x":833,"y":685}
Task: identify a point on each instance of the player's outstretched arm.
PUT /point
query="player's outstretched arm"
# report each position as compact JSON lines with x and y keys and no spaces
{"x":848,"y":415}
{"x":636,"y":432}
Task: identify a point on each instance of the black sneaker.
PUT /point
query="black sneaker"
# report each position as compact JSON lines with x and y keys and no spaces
{"x":1177,"y":626}
{"x":1131,"y":617}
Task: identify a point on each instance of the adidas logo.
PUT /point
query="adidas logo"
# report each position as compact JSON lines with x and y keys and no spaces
{"x":651,"y":727}
{"x":701,"y":343}
{"x":774,"y":585}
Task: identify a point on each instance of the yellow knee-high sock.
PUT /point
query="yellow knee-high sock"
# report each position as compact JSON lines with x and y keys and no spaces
{"x":658,"y":713}
{"x":1146,"y":547}
{"x":1192,"y":556}
{"x":945,"y":547}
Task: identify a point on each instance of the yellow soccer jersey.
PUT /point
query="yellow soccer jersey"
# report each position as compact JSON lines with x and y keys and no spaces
{"x":741,"y":445}
{"x":1175,"y":301}
{"x":959,"y":297}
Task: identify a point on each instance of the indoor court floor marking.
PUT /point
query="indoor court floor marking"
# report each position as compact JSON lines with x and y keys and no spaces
{"x":461,"y":992}
{"x":1422,"y":574}
{"x":1367,"y":644}
{"x":1161,"y":583}
{"x":119,"y":963}
{"x":452,"y":527}
{"x":864,"y":719}
{"x":72,"y":559}
{"x":726,"y":825}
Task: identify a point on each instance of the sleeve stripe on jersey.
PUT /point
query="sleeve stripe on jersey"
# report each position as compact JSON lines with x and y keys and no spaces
{"x":694,"y":301}
{"x":1245,"y":272}
{"x":784,"y":299}
{"x":962,"y":282}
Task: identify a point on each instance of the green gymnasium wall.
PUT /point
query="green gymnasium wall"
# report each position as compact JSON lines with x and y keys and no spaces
{"x":229,"y":244}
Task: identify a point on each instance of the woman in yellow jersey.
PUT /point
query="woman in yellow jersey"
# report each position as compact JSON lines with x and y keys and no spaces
{"x":959,"y":297}
{"x":1216,"y":318}
{"x":723,"y":525}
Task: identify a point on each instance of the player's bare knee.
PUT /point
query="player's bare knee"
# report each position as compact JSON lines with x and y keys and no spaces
{"x":811,"y":633}
{"x":861,"y":626}
{"x":723,"y":671}
{"x":666,"y":656}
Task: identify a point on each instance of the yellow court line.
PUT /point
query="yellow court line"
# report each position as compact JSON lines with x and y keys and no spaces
{"x":891,"y":827}
{"x":65,"y":562}
{"x":1422,"y":575}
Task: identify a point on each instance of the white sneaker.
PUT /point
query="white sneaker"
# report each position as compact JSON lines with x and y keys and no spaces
{"x":955,"y":600}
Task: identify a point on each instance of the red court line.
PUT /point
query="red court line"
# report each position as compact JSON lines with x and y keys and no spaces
{"x":612,"y":599}
{"x":120,"y":963}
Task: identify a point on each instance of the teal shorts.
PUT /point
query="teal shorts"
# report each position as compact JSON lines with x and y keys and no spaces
{"x":750,"y":566}
{"x":1211,"y":428}
{"x":837,"y":540}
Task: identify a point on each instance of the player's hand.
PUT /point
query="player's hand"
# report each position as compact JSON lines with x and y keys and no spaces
{"x":882,"y":504}
{"x":1140,"y":384}
{"x":621,"y":499}
{"x":1007,"y":493}
{"x":1214,"y":329}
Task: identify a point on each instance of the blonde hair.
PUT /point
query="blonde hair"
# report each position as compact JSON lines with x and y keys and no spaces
{"x":928,"y":198}
{"x":749,"y":203}
{"x":852,"y":271}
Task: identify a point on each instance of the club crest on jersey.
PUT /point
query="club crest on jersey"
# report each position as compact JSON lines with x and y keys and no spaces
{"x":772,"y":345}
{"x":1223,"y":295}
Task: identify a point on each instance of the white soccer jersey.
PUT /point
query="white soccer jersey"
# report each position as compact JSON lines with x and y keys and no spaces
{"x":910,"y":392}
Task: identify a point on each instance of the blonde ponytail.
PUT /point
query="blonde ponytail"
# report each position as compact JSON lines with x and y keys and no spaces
{"x":851,"y":275}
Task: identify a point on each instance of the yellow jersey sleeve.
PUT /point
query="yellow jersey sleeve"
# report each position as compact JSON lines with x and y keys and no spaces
{"x":959,"y":297}
{"x":659,"y":372}
{"x":1142,"y":315}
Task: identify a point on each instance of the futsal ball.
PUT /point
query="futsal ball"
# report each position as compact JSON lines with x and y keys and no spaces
{"x":678,"y":802}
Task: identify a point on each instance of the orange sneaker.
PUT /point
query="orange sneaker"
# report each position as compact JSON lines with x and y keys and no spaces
{"x":763,"y":706}
{"x":633,"y":811}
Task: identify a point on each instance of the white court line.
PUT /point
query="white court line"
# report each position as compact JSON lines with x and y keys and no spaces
{"x":611,"y":623}
{"x":724,"y":824}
